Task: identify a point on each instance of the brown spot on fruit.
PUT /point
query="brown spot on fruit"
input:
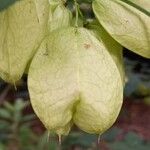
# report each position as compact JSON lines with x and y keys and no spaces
{"x":87,"y":46}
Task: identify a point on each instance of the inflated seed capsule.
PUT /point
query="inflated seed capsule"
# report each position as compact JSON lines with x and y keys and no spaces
{"x":78,"y":83}
{"x":127,"y":21}
{"x":23,"y":25}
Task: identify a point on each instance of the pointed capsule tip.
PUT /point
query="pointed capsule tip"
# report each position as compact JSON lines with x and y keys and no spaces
{"x":60,"y":139}
{"x":15,"y":86}
{"x":99,"y":138}
{"x":48,"y":136}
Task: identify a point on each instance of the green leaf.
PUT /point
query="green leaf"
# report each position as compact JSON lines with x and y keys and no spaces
{"x":8,"y":106}
{"x":4,"y":125}
{"x":28,"y":117}
{"x":22,"y":27}
{"x":133,"y":139}
{"x":2,"y":147}
{"x":119,"y":146}
{"x":111,"y":134}
{"x":114,"y":48}
{"x":5,"y":114}
{"x":20,"y":104}
{"x":83,"y":139}
{"x":76,"y":82}
{"x":130,"y":142}
{"x":128,"y":22}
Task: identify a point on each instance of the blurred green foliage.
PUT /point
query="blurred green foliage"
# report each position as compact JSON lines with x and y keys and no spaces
{"x":130,"y":142}
{"x":16,"y":134}
{"x":137,"y":79}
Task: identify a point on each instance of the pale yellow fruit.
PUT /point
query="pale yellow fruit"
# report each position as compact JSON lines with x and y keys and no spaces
{"x":127,"y":21}
{"x":73,"y":79}
{"x":23,"y":25}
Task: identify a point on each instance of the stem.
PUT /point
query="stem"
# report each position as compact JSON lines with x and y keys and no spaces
{"x":77,"y":13}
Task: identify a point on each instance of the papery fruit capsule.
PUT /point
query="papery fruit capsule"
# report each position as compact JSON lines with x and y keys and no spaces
{"x":77,"y":81}
{"x":60,"y":17}
{"x":113,"y":47}
{"x":23,"y":24}
{"x":127,"y":21}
